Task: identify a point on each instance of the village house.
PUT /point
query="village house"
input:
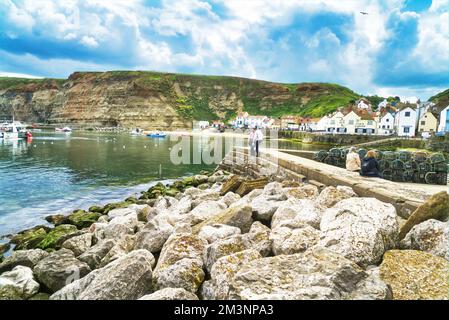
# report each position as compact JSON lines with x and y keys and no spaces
{"x":290,"y":122}
{"x":428,"y":123}
{"x":336,"y":123}
{"x":383,"y":104}
{"x":366,"y":125}
{"x":244,"y":120}
{"x":323,"y":123}
{"x":276,"y":125}
{"x":385,"y":121}
{"x":240,"y":120}
{"x":444,"y":121}
{"x":406,"y":121}
{"x":363,"y":104}
{"x":350,"y":121}
{"x":309,"y":124}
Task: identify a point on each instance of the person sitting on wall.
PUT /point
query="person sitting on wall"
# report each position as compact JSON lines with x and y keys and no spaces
{"x":370,"y":166}
{"x":353,"y":160}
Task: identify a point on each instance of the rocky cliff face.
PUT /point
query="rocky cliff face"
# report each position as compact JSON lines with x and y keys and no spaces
{"x":158,"y":100}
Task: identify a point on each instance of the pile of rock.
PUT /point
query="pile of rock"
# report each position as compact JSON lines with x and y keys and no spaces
{"x":283,"y":241}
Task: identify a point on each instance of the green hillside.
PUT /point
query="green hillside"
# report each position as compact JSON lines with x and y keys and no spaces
{"x":441,"y":99}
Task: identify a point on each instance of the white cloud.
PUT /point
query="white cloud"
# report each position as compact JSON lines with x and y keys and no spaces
{"x":89,"y":41}
{"x":18,"y":75}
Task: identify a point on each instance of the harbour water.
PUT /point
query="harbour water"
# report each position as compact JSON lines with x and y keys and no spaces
{"x":58,"y":172}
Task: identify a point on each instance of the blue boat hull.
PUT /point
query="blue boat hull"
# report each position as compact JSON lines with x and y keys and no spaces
{"x":153,"y":135}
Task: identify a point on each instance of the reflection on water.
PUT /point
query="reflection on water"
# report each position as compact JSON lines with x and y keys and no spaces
{"x":57,"y":172}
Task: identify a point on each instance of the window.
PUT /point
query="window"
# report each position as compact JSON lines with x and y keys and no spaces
{"x":423,"y":123}
{"x":407,"y":114}
{"x":370,"y":123}
{"x":388,"y":120}
{"x":388,"y":127}
{"x":351,"y":122}
{"x":383,"y":127}
{"x":406,"y":129}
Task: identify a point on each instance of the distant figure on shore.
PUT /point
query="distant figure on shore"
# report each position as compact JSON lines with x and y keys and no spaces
{"x":353,"y":162}
{"x":370,"y":166}
{"x":252,"y":141}
{"x":258,"y":137}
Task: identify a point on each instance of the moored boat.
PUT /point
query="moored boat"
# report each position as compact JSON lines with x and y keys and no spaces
{"x":65,"y":129}
{"x":158,"y":134}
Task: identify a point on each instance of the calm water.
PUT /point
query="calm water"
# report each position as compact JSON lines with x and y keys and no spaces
{"x":57,"y":172}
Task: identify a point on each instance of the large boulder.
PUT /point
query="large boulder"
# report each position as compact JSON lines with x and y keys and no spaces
{"x":308,"y":191}
{"x":265,"y":205}
{"x":217,"y":231}
{"x":127,"y":278}
{"x":431,"y":236}
{"x":415,"y":275}
{"x":436,"y":207}
{"x":27,"y":258}
{"x":205,"y":196}
{"x":206,"y":210}
{"x":170,"y":294}
{"x":287,"y":240}
{"x":153,"y":236}
{"x":28,"y":239}
{"x":96,"y":253}
{"x":120,"y":212}
{"x":317,"y":273}
{"x":330,"y":196}
{"x":361,"y":229}
{"x":230,"y":198}
{"x":295,"y":211}
{"x":120,"y":226}
{"x":240,"y":217}
{"x":180,"y":263}
{"x":59,"y":269}
{"x":56,"y":237}
{"x":224,"y":247}
{"x":247,"y":199}
{"x":222,"y":273}
{"x":259,"y":238}
{"x":79,"y":244}
{"x":121,"y":248}
{"x":82,"y":219}
{"x":18,"y":284}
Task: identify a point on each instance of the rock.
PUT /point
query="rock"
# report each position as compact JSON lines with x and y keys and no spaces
{"x":431,"y":236}
{"x":121,"y":248}
{"x":28,"y":239}
{"x":40,"y":296}
{"x":330,"y":196}
{"x":247,"y":199}
{"x":264,"y":206}
{"x":142,"y":211}
{"x":96,"y":253}
{"x":193,"y":193}
{"x":348,"y":191}
{"x":258,"y":238}
{"x":55,"y":238}
{"x":82,"y":219}
{"x":18,"y":284}
{"x":121,"y":226}
{"x":290,"y":184}
{"x":272,"y":188}
{"x":79,"y":244}
{"x":230,"y":198}
{"x":59,"y":269}
{"x":436,"y":207}
{"x":294,"y":240}
{"x":112,"y":206}
{"x":96,"y":209}
{"x":206,"y":196}
{"x":222,"y":273}
{"x":361,"y":229}
{"x":297,"y":211}
{"x":415,"y":275}
{"x":240,"y":217}
{"x":120,"y":212}
{"x":206,"y":210}
{"x":184,"y":205}
{"x":153,"y":236}
{"x":170,"y":294}
{"x":372,"y":287}
{"x":57,"y":219}
{"x":216,"y":232}
{"x":221,"y":248}
{"x":126,"y":278}
{"x":27,"y":258}
{"x":4,"y":247}
{"x":317,"y":273}
{"x":180,"y":263}
{"x":304,"y":192}
{"x":103,"y":219}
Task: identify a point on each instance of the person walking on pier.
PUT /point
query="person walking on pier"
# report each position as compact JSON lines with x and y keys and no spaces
{"x":353,"y":160}
{"x":370,"y":166}
{"x":252,"y":141}
{"x":258,"y":137}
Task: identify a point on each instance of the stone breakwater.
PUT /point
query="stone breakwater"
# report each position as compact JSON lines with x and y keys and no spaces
{"x":219,"y":236}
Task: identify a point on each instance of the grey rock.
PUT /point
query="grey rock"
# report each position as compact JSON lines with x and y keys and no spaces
{"x":18,"y":284}
{"x":170,"y":294}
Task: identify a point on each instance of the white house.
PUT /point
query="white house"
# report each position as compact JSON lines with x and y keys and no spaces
{"x":240,"y":120}
{"x":350,"y":121}
{"x":363,"y":104}
{"x":244,"y":119}
{"x":443,"y":126}
{"x":336,"y":123}
{"x":385,"y":124}
{"x":322,"y":124}
{"x":366,"y":125}
{"x":406,"y":122}
{"x":382,"y":104}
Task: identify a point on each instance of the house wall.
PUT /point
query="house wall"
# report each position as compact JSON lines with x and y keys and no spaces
{"x":428,"y":123}
{"x":406,"y":126}
{"x":443,"y":126}
{"x":386,"y":125}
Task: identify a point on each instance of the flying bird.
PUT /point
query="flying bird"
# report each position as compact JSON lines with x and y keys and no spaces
{"x":363,"y":12}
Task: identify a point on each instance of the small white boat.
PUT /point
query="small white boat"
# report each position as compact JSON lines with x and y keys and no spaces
{"x":12,"y":131}
{"x":65,"y":129}
{"x":136,"y":132}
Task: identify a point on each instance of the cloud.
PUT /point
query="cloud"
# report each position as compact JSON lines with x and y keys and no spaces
{"x":397,"y":45}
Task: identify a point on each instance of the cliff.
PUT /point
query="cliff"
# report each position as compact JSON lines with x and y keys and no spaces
{"x":160,"y":100}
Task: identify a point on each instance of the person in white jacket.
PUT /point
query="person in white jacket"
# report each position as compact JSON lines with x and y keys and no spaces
{"x":258,"y":137}
{"x":353,"y":160}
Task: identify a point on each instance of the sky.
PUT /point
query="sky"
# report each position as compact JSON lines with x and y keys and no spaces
{"x":400,"y":47}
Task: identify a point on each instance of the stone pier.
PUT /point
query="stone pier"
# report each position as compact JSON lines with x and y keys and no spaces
{"x":406,"y":197}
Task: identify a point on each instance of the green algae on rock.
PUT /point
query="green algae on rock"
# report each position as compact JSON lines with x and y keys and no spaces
{"x":53,"y":238}
{"x":82,"y":219}
{"x":28,"y":239}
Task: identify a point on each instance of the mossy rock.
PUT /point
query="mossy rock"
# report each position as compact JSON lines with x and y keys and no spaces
{"x":96,"y":209}
{"x":28,"y":239}
{"x":4,"y":247}
{"x":131,"y":200}
{"x":436,"y":207}
{"x":190,"y":181}
{"x":57,"y":219}
{"x":179,"y":185}
{"x":51,"y":239}
{"x":40,"y":296}
{"x":204,"y":186}
{"x":115,"y":205}
{"x":83,"y":219}
{"x":172,"y":192}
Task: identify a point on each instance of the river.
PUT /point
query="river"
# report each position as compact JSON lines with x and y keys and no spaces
{"x":58,"y":172}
